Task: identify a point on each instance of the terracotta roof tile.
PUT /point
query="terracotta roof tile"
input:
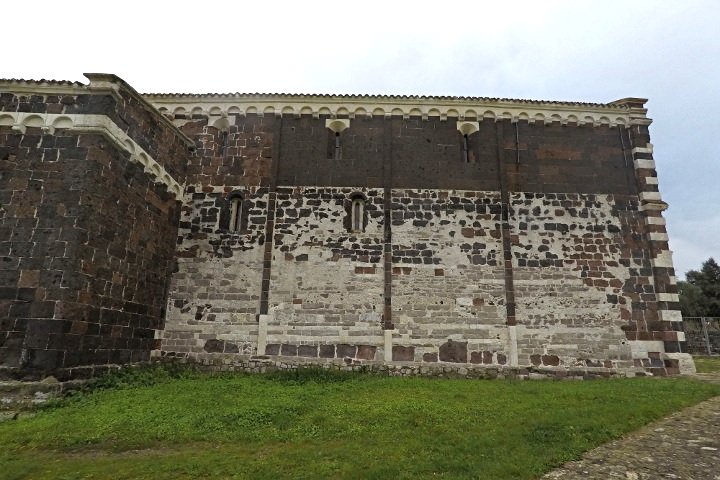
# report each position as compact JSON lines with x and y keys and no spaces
{"x":368,"y":97}
{"x":42,"y":81}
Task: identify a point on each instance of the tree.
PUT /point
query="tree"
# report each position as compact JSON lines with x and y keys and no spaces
{"x":692,"y":301}
{"x":700,"y":293}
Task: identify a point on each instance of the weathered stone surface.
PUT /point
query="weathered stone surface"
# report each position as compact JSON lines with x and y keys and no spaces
{"x":307,"y":351}
{"x":366,"y":352}
{"x":455,"y":352}
{"x":403,"y":354}
{"x":327,"y":351}
{"x":344,"y":350}
{"x":430,"y":357}
{"x":219,"y":346}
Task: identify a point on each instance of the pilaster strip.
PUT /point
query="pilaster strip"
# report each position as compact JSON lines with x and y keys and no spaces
{"x":387,"y":226}
{"x":270,"y":222}
{"x":505,"y":222}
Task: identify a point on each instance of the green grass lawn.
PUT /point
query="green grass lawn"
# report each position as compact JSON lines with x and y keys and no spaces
{"x":332,"y":426}
{"x":707,"y":365}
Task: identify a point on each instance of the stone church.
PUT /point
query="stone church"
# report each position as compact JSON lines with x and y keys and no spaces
{"x":397,"y":233}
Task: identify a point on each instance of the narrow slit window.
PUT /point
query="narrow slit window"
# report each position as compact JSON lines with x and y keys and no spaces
{"x":357,"y":213}
{"x":224,"y":144}
{"x":336,"y":150}
{"x":335,"y":126}
{"x":466,"y":156}
{"x":235,"y":214}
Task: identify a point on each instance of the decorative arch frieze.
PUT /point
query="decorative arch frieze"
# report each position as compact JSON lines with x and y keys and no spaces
{"x":459,"y":108}
{"x":100,"y":124}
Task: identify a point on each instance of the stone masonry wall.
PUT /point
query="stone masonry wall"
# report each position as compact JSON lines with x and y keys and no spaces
{"x":536,"y":251}
{"x":327,"y":280}
{"x":448,"y":281}
{"x":215,"y":295}
{"x":505,"y":241}
{"x":576,"y":280}
{"x":87,"y":238}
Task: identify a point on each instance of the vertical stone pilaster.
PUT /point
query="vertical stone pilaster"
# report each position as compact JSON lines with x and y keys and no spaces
{"x":270,"y":224}
{"x":506,"y":244}
{"x":262,"y":334}
{"x":387,"y":225}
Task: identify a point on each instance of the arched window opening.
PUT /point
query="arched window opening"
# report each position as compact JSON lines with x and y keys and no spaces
{"x":466,"y":156}
{"x":233,"y":214}
{"x":335,"y":126}
{"x":357,"y":214}
{"x":466,"y":129}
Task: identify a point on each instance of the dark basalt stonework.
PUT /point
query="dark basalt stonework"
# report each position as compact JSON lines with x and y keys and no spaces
{"x":86,"y":238}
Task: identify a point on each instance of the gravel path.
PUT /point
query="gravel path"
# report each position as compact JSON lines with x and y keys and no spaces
{"x":684,"y":445}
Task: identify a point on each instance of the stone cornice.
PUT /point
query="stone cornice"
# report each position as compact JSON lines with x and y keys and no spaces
{"x":621,"y":112}
{"x":101,"y":83}
{"x":107,"y":82}
{"x":627,"y":111}
{"x":98,"y":124}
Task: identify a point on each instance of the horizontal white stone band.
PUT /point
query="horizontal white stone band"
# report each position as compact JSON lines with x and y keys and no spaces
{"x":670,"y":315}
{"x":656,"y":205}
{"x":101,"y":124}
{"x":655,"y":221}
{"x":650,"y":196}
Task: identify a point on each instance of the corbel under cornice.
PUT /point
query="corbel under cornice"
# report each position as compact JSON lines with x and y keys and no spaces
{"x":112,"y":84}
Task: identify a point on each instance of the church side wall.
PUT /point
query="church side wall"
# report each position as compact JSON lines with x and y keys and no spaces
{"x":530,"y":250}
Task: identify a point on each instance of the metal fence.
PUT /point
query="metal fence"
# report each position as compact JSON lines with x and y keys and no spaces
{"x":702,"y":335}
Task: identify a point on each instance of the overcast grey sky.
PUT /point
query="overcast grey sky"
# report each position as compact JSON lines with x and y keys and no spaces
{"x":590,"y":51}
